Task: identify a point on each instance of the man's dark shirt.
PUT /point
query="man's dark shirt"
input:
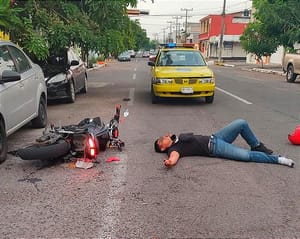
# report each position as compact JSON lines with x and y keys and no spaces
{"x":190,"y":145}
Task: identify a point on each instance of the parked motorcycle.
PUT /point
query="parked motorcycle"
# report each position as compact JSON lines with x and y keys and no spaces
{"x":84,"y":140}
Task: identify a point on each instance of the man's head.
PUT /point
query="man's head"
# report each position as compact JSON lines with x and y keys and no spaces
{"x":157,"y":147}
{"x":162,"y":144}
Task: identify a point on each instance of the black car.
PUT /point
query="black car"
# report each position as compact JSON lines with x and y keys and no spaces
{"x":65,"y":75}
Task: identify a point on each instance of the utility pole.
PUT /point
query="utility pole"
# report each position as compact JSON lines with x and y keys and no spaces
{"x":176,"y":25}
{"x":170,"y":34}
{"x":164,"y":35}
{"x":155,"y":36}
{"x":222,"y":33}
{"x":186,"y":16}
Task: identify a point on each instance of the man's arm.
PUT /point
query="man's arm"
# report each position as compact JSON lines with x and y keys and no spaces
{"x":172,"y":160}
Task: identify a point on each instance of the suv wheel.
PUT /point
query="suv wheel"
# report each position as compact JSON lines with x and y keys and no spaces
{"x":209,"y":99}
{"x":290,"y":75}
{"x":41,"y":120}
{"x":71,"y":93}
{"x":3,"y":143}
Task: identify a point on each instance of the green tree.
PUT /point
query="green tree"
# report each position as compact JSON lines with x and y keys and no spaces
{"x":281,"y":20}
{"x":8,"y":16}
{"x":255,"y":40}
{"x":46,"y":26}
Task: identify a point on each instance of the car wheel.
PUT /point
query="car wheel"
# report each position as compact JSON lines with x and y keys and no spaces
{"x":3,"y":143}
{"x":154,"y":98}
{"x":209,"y":99}
{"x":72,"y":96}
{"x":290,"y":74}
{"x":41,"y":120}
{"x":85,"y":87}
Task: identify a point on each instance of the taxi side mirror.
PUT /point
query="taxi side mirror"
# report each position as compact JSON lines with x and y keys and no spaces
{"x":151,"y":63}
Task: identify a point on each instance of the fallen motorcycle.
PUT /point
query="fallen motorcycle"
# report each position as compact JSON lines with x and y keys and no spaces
{"x":83,"y":140}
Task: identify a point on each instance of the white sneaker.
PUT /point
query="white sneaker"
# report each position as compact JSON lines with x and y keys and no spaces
{"x":286,"y":161}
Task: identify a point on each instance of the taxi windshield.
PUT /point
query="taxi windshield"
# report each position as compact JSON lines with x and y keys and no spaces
{"x":180,"y":58}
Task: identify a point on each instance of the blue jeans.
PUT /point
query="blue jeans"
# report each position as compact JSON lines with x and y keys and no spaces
{"x":222,"y":147}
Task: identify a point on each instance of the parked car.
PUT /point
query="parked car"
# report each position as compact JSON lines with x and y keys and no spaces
{"x":124,"y":56}
{"x":23,"y":93}
{"x":146,"y":54}
{"x":291,"y":65}
{"x":152,"y":55}
{"x":65,"y":75}
{"x":180,"y":71}
{"x":131,"y":53}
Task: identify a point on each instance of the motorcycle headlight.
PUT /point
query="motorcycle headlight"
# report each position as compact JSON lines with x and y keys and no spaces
{"x":162,"y":81}
{"x":59,"y":78}
{"x":207,"y":80}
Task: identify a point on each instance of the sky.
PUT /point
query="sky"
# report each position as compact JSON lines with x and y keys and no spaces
{"x":162,"y":12}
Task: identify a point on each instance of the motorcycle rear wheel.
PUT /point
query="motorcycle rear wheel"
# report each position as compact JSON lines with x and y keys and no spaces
{"x":45,"y":152}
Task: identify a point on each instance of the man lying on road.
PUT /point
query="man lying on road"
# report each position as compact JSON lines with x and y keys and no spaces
{"x":218,"y":145}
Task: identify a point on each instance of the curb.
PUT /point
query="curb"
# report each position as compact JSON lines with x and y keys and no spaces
{"x":96,"y":67}
{"x":268,"y":71}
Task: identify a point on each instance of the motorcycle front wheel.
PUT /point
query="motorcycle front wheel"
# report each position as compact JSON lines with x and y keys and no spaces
{"x":45,"y":152}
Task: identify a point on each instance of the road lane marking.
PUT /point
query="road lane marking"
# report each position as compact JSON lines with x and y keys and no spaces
{"x":234,"y":96}
{"x":111,"y":211}
{"x":131,"y":96}
{"x":134,"y":76}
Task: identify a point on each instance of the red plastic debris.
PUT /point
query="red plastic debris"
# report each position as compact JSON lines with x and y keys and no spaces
{"x":112,"y":159}
{"x":294,"y":137}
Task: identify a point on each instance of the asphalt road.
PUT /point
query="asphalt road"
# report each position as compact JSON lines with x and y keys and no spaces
{"x":137,"y":197}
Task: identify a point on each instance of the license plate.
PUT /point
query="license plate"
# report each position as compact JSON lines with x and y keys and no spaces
{"x":187,"y":90}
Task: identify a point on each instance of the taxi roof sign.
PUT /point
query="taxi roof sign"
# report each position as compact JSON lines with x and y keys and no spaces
{"x":175,"y":45}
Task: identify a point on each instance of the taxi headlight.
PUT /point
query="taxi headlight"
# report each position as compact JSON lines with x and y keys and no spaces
{"x":162,"y":81}
{"x":207,"y":80}
{"x":59,"y":78}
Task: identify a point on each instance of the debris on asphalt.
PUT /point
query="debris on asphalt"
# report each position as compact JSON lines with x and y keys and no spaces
{"x":84,"y":163}
{"x":111,"y":159}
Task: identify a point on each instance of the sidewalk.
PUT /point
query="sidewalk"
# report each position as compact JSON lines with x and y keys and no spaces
{"x":96,"y":66}
{"x":268,"y":68}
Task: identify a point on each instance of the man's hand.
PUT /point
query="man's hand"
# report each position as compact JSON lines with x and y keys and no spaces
{"x":172,"y":160}
{"x":168,"y":163}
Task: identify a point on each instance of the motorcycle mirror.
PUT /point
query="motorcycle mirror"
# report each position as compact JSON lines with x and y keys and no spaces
{"x":126,"y":113}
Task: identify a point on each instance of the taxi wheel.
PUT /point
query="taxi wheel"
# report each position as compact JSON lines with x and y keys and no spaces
{"x":209,"y":99}
{"x":154,"y":98}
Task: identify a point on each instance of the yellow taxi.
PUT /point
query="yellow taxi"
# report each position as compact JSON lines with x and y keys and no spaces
{"x":180,"y":71}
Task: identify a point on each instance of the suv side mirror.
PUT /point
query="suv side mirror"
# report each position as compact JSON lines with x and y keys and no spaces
{"x":9,"y":76}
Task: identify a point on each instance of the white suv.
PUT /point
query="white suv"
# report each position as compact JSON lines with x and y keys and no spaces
{"x":23,"y":93}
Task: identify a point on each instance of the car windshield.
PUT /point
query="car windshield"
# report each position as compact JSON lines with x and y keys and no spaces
{"x":181,"y":58}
